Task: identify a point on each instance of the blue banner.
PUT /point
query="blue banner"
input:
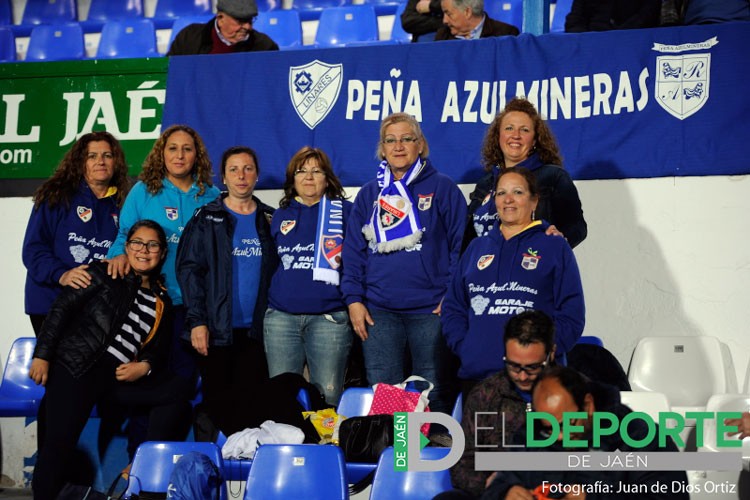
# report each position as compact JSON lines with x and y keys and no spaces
{"x":640,"y":103}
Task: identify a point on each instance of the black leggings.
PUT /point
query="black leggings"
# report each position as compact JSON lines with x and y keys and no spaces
{"x":68,"y":404}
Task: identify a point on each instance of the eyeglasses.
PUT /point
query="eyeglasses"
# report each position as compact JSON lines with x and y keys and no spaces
{"x":391,"y":141}
{"x":138,"y":245}
{"x":532,"y":369}
{"x":316,"y":172}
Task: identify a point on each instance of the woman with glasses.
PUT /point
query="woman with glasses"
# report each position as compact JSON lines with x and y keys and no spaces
{"x":516,"y":267}
{"x":403,"y":243}
{"x":107,"y":344}
{"x":176,"y":179}
{"x":307,"y":319}
{"x":224,"y":265}
{"x":74,"y":220}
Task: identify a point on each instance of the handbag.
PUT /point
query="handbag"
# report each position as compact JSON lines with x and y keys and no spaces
{"x":389,"y":399}
{"x":80,"y":492}
{"x":363,"y":439}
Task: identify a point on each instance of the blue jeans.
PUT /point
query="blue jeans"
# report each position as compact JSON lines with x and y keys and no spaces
{"x":385,"y":350}
{"x":323,"y":340}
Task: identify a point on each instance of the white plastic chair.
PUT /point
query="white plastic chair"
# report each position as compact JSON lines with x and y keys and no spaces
{"x":688,"y":370}
{"x":651,"y":403}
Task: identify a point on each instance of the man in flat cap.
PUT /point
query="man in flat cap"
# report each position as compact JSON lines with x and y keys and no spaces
{"x":230,"y":31}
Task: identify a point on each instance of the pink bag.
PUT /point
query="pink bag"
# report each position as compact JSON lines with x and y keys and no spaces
{"x":389,"y":399}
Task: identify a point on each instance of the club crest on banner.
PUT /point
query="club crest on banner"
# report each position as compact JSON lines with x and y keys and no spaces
{"x":332,"y":249}
{"x":393,"y":210}
{"x":84,"y":213}
{"x":171,"y":212}
{"x":314,"y":89}
{"x":484,"y":261}
{"x":683,"y":80}
{"x":287,"y":225}
{"x":530,"y":259}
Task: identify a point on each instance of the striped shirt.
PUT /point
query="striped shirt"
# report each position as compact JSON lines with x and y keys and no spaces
{"x":135,"y":328}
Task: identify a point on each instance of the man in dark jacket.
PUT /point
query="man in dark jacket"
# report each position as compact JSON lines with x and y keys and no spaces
{"x":495,"y":409}
{"x":230,"y":31}
{"x":466,"y":20}
{"x":422,"y":18}
{"x":605,"y":15}
{"x":561,"y":390}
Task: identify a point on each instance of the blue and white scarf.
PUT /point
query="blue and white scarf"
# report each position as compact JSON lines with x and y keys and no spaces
{"x":394,"y":224}
{"x":329,"y":240}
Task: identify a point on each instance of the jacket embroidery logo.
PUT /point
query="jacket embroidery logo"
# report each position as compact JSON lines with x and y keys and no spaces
{"x":171,"y":213}
{"x":84,"y":213}
{"x":425,"y":201}
{"x":287,"y":225}
{"x":530,"y":259}
{"x":484,"y":261}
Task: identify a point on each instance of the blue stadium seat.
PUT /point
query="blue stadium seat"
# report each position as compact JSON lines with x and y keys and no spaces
{"x":385,"y":7}
{"x":591,"y":339}
{"x":562,"y":9}
{"x":154,"y":461}
{"x":19,"y":395}
{"x":6,"y":12}
{"x":46,"y":12}
{"x":309,"y":471}
{"x":397,"y":33}
{"x":185,"y":21}
{"x":56,"y":42}
{"x":7,"y":44}
{"x":407,"y":485}
{"x":102,"y":11}
{"x":167,"y":11}
{"x":341,"y":25}
{"x":355,"y":401}
{"x":267,"y":5}
{"x":310,"y":10}
{"x":507,"y":11}
{"x":283,"y":26}
{"x":131,"y":38}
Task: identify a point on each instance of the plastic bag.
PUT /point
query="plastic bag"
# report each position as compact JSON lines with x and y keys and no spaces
{"x":324,"y":421}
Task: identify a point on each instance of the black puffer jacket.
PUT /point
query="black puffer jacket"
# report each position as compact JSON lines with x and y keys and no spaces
{"x":82,"y":323}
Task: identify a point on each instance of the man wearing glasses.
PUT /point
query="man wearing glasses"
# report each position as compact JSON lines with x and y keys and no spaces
{"x":230,"y":31}
{"x":559,"y":391}
{"x":500,"y":402}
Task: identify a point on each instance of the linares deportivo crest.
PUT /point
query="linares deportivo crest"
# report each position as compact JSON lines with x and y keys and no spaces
{"x":314,"y":89}
{"x":683,"y":80}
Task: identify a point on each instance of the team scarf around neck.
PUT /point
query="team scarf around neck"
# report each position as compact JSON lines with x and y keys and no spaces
{"x":394,"y":223}
{"x":485,"y":216}
{"x":329,"y":240}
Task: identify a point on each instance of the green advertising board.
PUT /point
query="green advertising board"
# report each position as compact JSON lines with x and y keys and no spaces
{"x":46,"y":106}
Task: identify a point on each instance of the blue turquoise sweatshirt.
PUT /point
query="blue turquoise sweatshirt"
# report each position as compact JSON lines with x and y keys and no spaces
{"x":499,"y":278}
{"x":63,"y":237}
{"x":414,"y":280}
{"x":172,"y":208}
{"x":294,"y":229}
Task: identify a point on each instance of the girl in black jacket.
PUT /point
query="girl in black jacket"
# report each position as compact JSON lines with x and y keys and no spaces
{"x":105,"y":344}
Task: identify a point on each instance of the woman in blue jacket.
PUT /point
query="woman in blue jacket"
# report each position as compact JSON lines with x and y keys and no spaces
{"x":402,"y":245}
{"x":514,"y":268}
{"x":224,"y":265}
{"x":307,"y":320}
{"x":74,"y":220}
{"x":176,"y":179}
